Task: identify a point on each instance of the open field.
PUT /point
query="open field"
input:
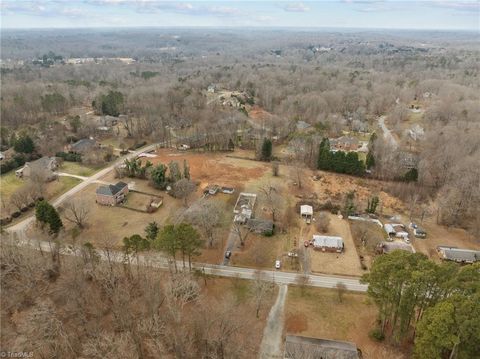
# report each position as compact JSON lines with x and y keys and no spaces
{"x":53,"y":189}
{"x":78,"y":169}
{"x":318,"y":313}
{"x":9,"y":183}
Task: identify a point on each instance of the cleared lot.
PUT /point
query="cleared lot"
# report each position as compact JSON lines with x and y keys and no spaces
{"x":345,"y":263}
{"x":318,"y":312}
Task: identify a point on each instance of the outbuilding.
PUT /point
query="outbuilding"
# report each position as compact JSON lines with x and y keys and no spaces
{"x":306,"y":211}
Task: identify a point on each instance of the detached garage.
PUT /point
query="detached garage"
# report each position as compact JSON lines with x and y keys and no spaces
{"x":328,"y":243}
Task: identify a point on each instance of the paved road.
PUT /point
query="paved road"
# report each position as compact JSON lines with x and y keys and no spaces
{"x":23,"y":225}
{"x":156,"y":260}
{"x":271,"y":346}
{"x":387,"y":134}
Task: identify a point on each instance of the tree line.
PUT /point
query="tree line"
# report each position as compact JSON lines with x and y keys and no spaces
{"x":436,"y":305}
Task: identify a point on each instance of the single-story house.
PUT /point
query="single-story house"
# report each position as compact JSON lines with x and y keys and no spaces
{"x":344,"y":143}
{"x":260,"y":226}
{"x":299,"y":347}
{"x":44,"y":166}
{"x":82,"y":146}
{"x":328,"y":243}
{"x":306,"y":211}
{"x":387,"y":247}
{"x":111,"y":195}
{"x":458,"y":255}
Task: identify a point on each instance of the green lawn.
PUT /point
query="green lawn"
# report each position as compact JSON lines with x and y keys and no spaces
{"x":9,"y":183}
{"x":61,"y":186}
{"x":78,"y":169}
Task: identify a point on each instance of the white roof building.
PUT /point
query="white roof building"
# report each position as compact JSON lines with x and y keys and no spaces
{"x":306,"y":210}
{"x":328,"y":243}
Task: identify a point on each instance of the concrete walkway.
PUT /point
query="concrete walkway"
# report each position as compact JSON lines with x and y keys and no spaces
{"x":63,"y":174}
{"x":272,"y":342}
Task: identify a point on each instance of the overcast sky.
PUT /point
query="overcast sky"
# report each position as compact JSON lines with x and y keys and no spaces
{"x":407,"y":14}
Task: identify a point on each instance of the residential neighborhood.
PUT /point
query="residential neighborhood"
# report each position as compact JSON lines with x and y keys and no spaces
{"x":235,"y":180}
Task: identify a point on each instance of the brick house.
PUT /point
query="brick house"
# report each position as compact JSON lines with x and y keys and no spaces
{"x":111,"y":195}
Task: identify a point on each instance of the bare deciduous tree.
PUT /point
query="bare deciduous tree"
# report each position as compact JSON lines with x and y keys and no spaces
{"x":76,"y":211}
{"x":262,"y":287}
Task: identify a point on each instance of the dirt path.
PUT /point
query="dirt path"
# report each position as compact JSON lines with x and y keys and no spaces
{"x":271,"y":346}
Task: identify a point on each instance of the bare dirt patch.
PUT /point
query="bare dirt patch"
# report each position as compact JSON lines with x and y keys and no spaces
{"x":296,"y":323}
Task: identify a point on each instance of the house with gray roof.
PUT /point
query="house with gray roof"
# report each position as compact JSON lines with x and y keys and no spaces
{"x":111,"y":195}
{"x":82,"y":146}
{"x":260,"y":226}
{"x":44,"y":167}
{"x":299,"y":347}
{"x":458,"y":255}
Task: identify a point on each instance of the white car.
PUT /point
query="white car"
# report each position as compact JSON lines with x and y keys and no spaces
{"x":277,"y":264}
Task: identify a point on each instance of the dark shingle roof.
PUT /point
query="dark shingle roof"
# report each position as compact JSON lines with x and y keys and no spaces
{"x":83,"y":145}
{"x":261,"y":225}
{"x":298,"y":347}
{"x":111,"y":189}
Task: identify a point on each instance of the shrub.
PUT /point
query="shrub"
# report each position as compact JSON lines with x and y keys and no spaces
{"x":69,"y":156}
{"x":5,"y":220}
{"x":31,"y":205}
{"x":376,"y":334}
{"x":24,"y":209}
{"x":16,"y":214}
{"x":137,"y":145}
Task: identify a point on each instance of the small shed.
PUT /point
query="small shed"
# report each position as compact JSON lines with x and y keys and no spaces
{"x":328,"y":243}
{"x":389,"y":229}
{"x":306,"y":210}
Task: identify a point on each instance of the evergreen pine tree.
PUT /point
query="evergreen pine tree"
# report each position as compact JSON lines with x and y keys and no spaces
{"x":266,"y":151}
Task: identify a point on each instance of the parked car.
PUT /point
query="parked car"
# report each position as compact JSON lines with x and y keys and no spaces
{"x":406,"y":240}
{"x":306,"y":243}
{"x":228,"y":254}
{"x":277,"y":264}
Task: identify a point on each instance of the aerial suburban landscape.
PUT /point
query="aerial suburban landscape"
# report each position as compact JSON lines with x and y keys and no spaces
{"x":238,"y":180}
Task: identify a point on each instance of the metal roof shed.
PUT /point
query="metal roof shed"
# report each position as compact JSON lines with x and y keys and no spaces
{"x":306,"y":210}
